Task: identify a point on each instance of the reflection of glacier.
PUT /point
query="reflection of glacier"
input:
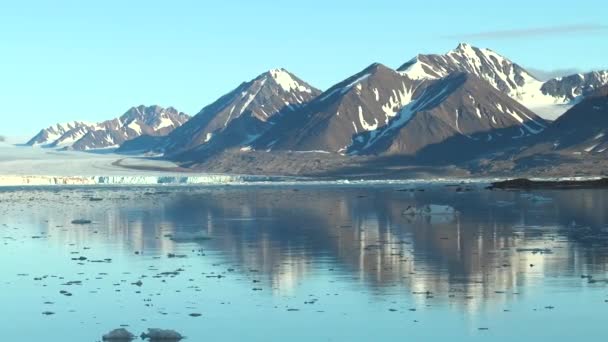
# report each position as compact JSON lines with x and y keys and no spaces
{"x":284,"y":237}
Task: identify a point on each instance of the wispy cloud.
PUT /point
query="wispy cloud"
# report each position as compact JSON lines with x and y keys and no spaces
{"x":533,"y":32}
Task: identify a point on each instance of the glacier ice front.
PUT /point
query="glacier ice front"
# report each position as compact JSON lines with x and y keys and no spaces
{"x":38,"y":180}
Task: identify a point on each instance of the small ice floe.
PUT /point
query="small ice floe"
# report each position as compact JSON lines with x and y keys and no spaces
{"x":157,"y":335}
{"x":595,"y":281}
{"x":188,"y":237}
{"x":535,"y":250}
{"x":118,"y":335}
{"x":592,"y":280}
{"x":82,"y":221}
{"x":176,"y":256}
{"x":503,"y":204}
{"x":429,"y":210}
{"x":537,"y":198}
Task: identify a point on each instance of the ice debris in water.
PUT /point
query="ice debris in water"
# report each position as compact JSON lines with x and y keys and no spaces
{"x":118,"y":335}
{"x":428,"y":210}
{"x":81,"y":221}
{"x":162,"y":335}
{"x":187,"y":236}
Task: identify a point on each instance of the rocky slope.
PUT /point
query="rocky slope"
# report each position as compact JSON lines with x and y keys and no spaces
{"x":240,"y":116}
{"x":576,"y":144}
{"x":364,"y":102}
{"x":452,"y":119}
{"x":581,"y":130}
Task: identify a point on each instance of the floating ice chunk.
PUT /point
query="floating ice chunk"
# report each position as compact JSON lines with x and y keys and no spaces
{"x":502,"y":204}
{"x":162,"y":335}
{"x":81,"y":221}
{"x":535,"y":250}
{"x":117,"y":335}
{"x":188,"y":236}
{"x":537,"y":198}
{"x":428,"y":210}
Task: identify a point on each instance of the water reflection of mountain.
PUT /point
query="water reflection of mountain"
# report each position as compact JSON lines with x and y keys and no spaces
{"x":361,"y":235}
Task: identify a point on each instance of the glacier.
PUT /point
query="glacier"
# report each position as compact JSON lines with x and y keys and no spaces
{"x":23,"y":166}
{"x":44,"y":180}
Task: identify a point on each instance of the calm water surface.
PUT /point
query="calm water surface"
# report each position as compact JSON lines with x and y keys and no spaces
{"x":304,"y":263}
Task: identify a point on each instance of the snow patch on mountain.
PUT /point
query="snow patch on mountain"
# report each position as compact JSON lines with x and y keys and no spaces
{"x":346,"y":88}
{"x":288,"y":83}
{"x":396,"y":101}
{"x":404,"y":116}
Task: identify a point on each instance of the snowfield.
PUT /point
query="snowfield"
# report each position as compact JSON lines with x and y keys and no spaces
{"x":36,"y":166}
{"x":33,"y":161}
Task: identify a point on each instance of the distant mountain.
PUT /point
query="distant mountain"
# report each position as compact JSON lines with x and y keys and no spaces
{"x":48,"y":135}
{"x":575,"y":87}
{"x":549,"y":99}
{"x":237,"y":118}
{"x":583,"y":130}
{"x":576,"y":144}
{"x":137,"y":121}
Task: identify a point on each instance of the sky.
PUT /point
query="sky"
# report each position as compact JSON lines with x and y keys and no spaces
{"x":92,"y":60}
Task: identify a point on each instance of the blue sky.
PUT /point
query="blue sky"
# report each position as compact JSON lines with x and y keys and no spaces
{"x":83,"y":60}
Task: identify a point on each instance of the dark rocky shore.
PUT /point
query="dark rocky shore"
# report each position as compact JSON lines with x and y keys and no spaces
{"x":527,"y":184}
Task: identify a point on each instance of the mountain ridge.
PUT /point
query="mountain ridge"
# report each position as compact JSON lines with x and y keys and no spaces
{"x":137,"y":121}
{"x":468,"y":104}
{"x":550,"y":98}
{"x":241,"y":115}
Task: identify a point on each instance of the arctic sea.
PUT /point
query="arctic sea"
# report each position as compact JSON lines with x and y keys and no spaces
{"x":304,"y":262}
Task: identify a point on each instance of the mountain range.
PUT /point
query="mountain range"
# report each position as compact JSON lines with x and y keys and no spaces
{"x":137,"y":121}
{"x":237,"y":118}
{"x":468,"y":104}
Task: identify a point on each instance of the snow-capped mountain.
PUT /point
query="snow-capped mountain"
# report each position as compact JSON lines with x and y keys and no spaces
{"x":48,"y":135}
{"x":364,"y":102}
{"x":548,"y":99}
{"x":240,"y":116}
{"x":469,"y":104}
{"x":453,"y":117}
{"x":575,"y":87}
{"x":380,"y":110}
{"x":137,"y":121}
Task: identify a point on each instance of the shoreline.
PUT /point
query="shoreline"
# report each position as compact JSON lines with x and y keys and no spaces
{"x":557,"y":184}
{"x":189,"y":179}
